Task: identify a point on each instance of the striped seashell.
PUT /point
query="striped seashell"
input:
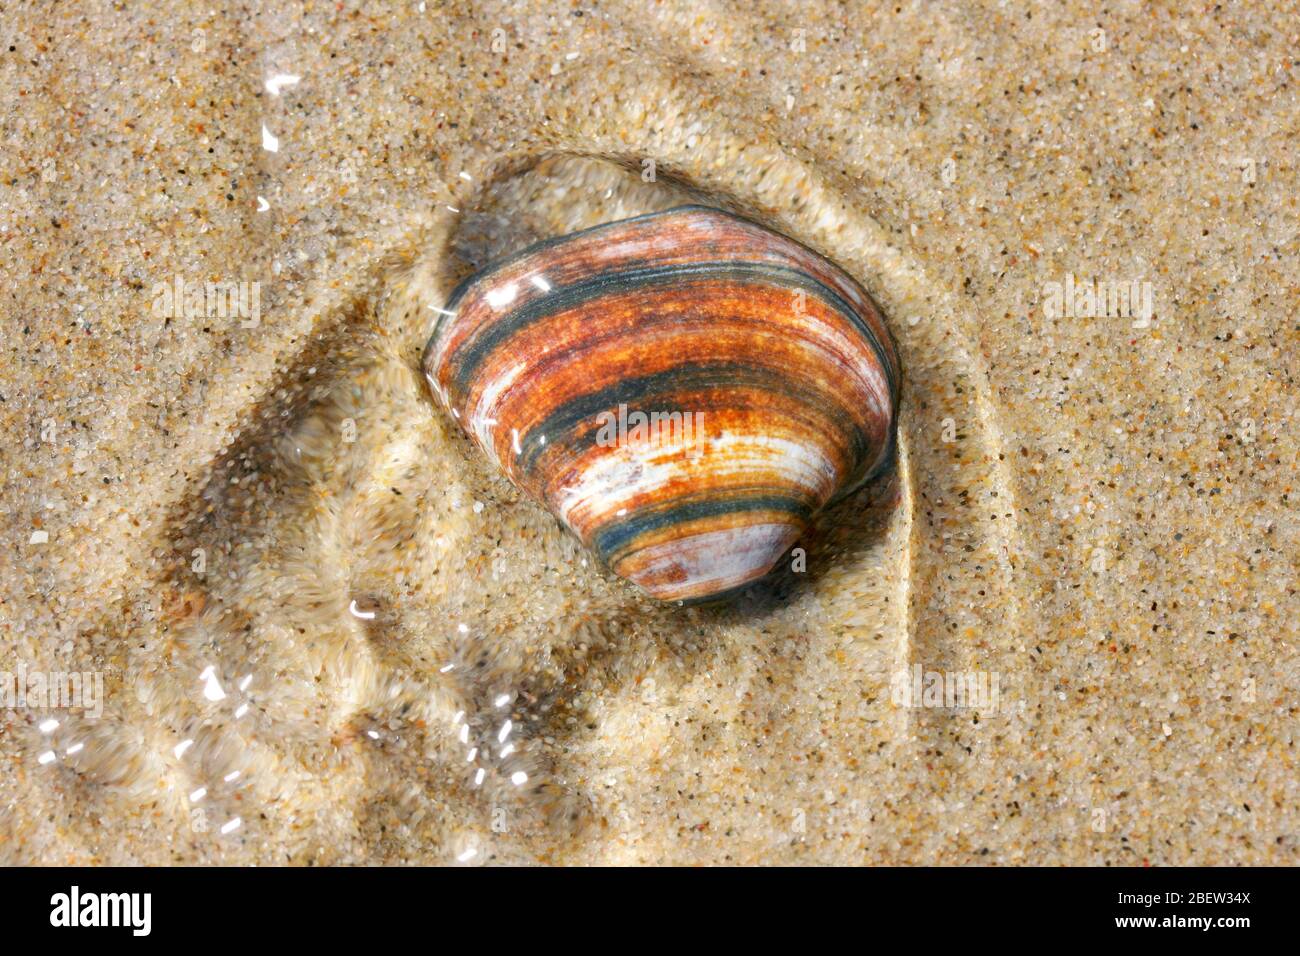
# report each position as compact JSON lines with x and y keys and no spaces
{"x":684,"y":390}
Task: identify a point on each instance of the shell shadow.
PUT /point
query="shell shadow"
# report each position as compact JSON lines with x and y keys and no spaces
{"x":843,"y":532}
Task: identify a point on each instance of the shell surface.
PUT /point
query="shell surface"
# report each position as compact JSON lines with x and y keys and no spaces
{"x":683,"y":390}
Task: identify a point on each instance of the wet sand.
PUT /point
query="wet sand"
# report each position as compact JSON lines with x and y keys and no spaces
{"x":308,"y":599}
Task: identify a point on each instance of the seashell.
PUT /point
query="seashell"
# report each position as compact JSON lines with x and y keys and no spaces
{"x":683,"y":390}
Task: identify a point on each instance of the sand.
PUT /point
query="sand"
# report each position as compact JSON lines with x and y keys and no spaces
{"x":307,"y":600}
